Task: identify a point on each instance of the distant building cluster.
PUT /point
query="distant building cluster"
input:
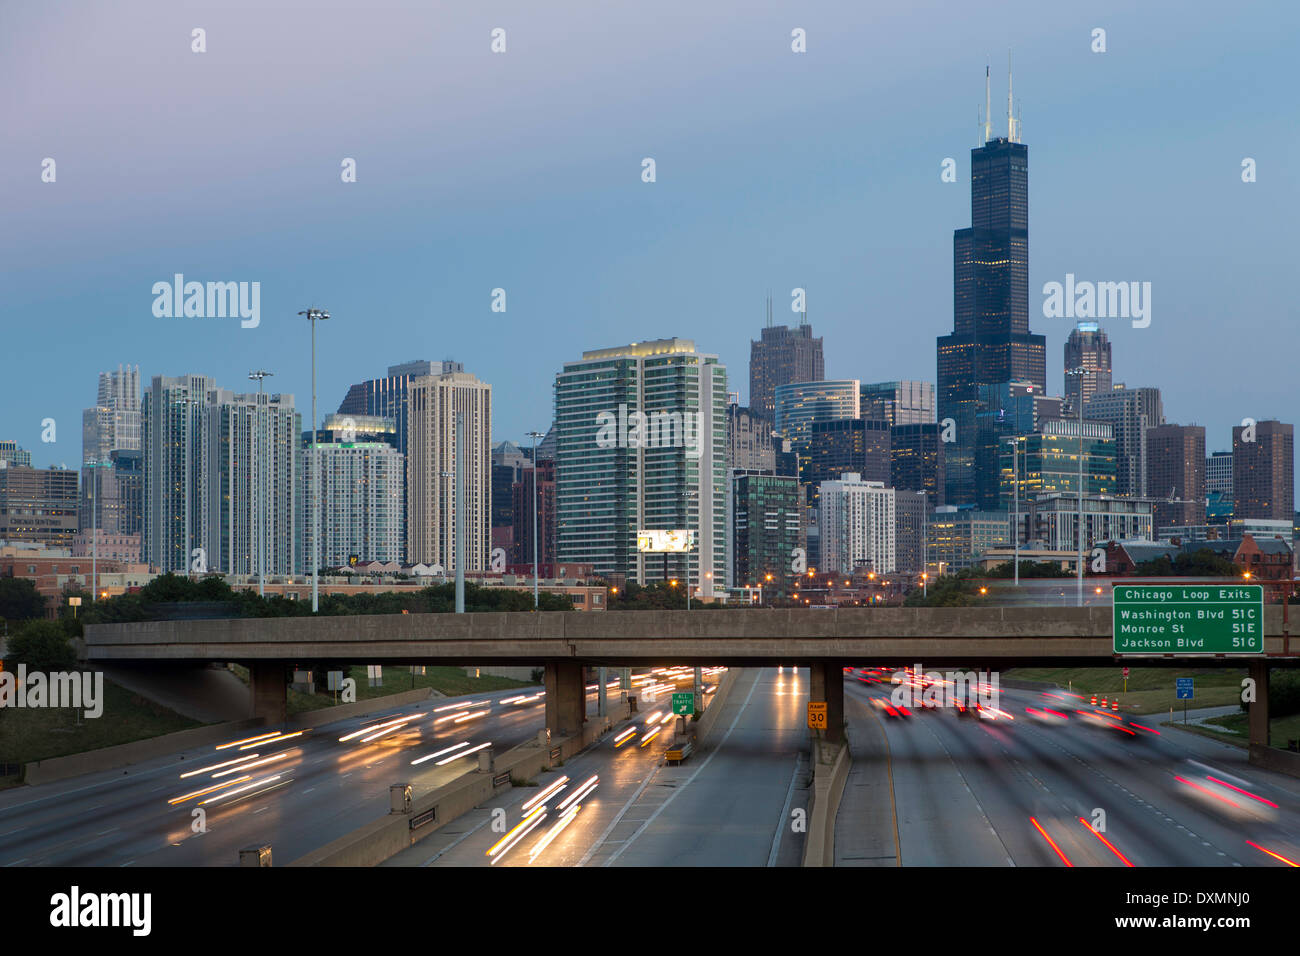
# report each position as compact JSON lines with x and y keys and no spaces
{"x":650,"y":471}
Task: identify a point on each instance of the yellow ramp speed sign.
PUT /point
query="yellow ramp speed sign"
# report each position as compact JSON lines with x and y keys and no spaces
{"x":817,"y":714}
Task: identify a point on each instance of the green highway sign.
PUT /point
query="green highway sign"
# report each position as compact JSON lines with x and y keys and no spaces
{"x":684,"y":704}
{"x":1188,"y":618}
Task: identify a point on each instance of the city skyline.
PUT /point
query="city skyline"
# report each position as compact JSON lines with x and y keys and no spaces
{"x":791,"y":218}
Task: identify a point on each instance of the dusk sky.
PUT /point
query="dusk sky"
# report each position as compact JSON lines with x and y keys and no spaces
{"x":522,"y":170}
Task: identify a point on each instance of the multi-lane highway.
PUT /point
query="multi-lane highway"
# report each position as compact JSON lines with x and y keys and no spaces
{"x":731,"y":803}
{"x":297,"y":794}
{"x":933,"y":788}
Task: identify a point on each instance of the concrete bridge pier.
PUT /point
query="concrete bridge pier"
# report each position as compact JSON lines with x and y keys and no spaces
{"x":566,"y":698}
{"x":827,"y":684}
{"x":268,"y":691}
{"x":1259,"y":709}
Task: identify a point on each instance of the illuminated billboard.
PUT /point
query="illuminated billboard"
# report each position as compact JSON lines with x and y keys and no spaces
{"x":659,"y":541}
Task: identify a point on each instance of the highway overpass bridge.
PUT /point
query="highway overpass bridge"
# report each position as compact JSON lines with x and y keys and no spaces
{"x":563,"y":642}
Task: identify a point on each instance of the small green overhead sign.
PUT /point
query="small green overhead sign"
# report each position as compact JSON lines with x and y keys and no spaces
{"x":1188,"y":619}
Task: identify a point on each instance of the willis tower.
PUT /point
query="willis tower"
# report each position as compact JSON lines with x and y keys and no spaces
{"x":990,"y":343}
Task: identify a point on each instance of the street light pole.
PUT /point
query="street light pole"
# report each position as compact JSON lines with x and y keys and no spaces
{"x":534,"y":436}
{"x":1015,"y":521}
{"x":261,"y":487}
{"x":1080,"y":370}
{"x":313,"y":316}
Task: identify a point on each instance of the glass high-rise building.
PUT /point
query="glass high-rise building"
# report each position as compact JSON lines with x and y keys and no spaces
{"x":1047,"y":462}
{"x":641,"y":444}
{"x":898,"y":403}
{"x":219,"y":474}
{"x":765,"y":525}
{"x":799,"y":404}
{"x":990,"y":342}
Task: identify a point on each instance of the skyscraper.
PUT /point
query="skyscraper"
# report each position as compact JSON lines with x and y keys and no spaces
{"x":916,"y":456}
{"x":114,"y":421}
{"x":386,"y":397}
{"x":110,"y":428}
{"x":799,"y":404}
{"x":177,"y":481}
{"x":1088,"y":348}
{"x":1130,"y":412}
{"x":857,"y":526}
{"x":898,"y":403}
{"x":845,"y":445}
{"x":765,"y":525}
{"x":780,"y":356}
{"x":749,"y":440}
{"x":434,"y":401}
{"x":219,"y":473}
{"x":1176,"y":474}
{"x":360,"y":501}
{"x":641,"y":445}
{"x":990,"y":342}
{"x":1263,"y":470}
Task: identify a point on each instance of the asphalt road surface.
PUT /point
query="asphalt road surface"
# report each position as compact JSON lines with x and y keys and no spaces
{"x":937,"y":789}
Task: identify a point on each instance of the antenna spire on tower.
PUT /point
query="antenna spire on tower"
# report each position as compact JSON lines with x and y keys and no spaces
{"x":988,"y":129}
{"x":1011,"y":120}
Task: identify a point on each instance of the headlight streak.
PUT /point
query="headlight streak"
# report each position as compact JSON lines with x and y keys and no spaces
{"x":217,"y":766}
{"x":645,"y":740}
{"x":545,"y":794}
{"x":588,"y":785}
{"x":199,"y":793}
{"x":250,"y":766}
{"x":231,"y":793}
{"x":624,"y":737}
{"x":463,"y":753}
{"x":503,"y":846}
{"x":474,"y":716}
{"x":446,"y":750}
{"x":234,"y":743}
{"x":275,"y":740}
{"x":565,"y":819}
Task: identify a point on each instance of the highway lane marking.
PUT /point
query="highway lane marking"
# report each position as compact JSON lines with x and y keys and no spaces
{"x":699,"y":770}
{"x":618,"y":818}
{"x":785,"y":815}
{"x":889,"y":766}
{"x":979,"y":806}
{"x":1119,"y":786}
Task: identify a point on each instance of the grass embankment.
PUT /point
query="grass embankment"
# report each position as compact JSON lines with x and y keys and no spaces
{"x":448,"y":681}
{"x":1236,"y":728}
{"x":1151,"y":690}
{"x":42,"y":733}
